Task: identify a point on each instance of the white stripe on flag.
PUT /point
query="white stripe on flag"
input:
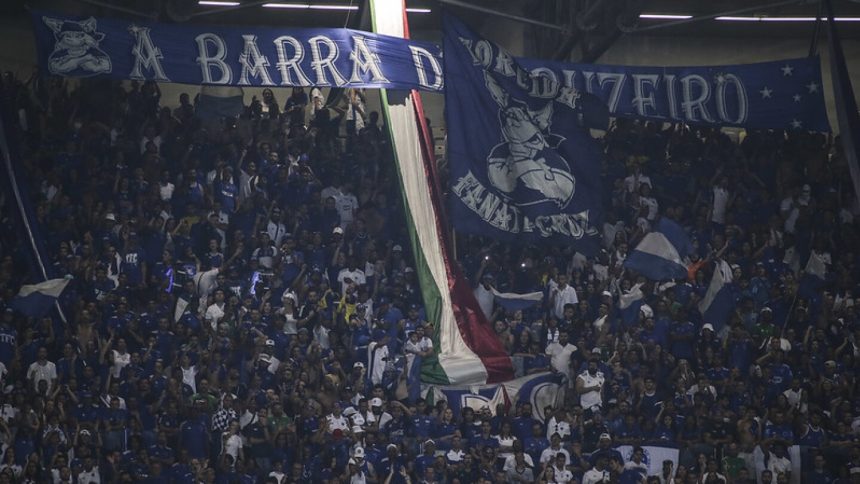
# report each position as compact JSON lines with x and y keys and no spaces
{"x":460,"y":363}
{"x":51,"y":287}
{"x":656,"y":244}
{"x":722,"y":276}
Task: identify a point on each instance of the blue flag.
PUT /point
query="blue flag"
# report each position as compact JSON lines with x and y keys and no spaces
{"x":662,"y":253}
{"x":524,"y":167}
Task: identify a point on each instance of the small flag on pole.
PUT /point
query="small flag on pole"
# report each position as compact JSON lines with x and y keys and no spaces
{"x":36,"y":300}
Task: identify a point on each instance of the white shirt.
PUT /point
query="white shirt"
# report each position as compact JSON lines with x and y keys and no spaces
{"x":276,"y":231}
{"x":38,"y":372}
{"x":793,"y":397}
{"x":548,"y":454}
{"x":356,"y":276}
{"x":86,"y":477}
{"x":346,"y":206}
{"x":214,"y":313}
{"x":232,"y":446}
{"x":560,"y":356}
{"x":413,"y":348}
{"x":556,"y":426}
{"x":721,"y":200}
{"x":189,"y":377}
{"x":563,"y":297}
{"x":595,"y":476}
{"x":166,"y":191}
{"x":120,"y":361}
{"x":593,"y":397}
{"x":652,"y":205}
{"x":511,"y":462}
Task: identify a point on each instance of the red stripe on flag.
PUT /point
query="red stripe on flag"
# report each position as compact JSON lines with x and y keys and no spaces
{"x":473,"y":325}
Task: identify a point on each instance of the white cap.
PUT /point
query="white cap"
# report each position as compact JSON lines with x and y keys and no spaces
{"x":376,"y":402}
{"x":337,"y":230}
{"x":707,"y":326}
{"x":110,"y":217}
{"x":397,"y":247}
{"x":605,"y":436}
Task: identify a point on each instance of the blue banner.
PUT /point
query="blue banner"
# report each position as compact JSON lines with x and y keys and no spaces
{"x":235,"y":56}
{"x":783,"y":94}
{"x":523,"y":165}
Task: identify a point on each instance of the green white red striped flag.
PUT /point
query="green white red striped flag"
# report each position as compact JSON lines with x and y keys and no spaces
{"x":467,"y":350}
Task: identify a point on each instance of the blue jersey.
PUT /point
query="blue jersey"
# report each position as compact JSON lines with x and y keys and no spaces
{"x":8,"y":343}
{"x":131,"y":266}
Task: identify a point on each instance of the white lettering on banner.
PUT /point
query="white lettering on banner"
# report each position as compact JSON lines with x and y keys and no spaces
{"x":146,"y":55}
{"x":670,"y":95}
{"x":692,"y":105}
{"x":418,"y":56}
{"x":207,"y":61}
{"x":320,"y":63}
{"x":289,"y":66}
{"x":484,"y":53}
{"x":253,"y":63}
{"x":363,"y":60}
{"x":587,"y":77}
{"x":504,"y":216}
{"x":722,"y":107}
{"x":569,"y":77}
{"x":505,"y":64}
{"x":545,"y":83}
{"x":642,"y":101}
{"x":616,"y":80}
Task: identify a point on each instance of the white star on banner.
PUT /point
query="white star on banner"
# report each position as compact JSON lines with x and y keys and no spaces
{"x":766,"y":92}
{"x":796,"y":124}
{"x":796,"y":98}
{"x":786,"y":70}
{"x":813,"y":87}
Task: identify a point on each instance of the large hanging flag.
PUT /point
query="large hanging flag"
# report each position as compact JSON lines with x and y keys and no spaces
{"x":468,"y":351}
{"x":662,"y":253}
{"x":524,"y":167}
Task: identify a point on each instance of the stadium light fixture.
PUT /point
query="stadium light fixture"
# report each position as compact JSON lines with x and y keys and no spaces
{"x":306,"y":6}
{"x":782,"y":19}
{"x":218,"y":3}
{"x":418,"y":10}
{"x":664,"y":16}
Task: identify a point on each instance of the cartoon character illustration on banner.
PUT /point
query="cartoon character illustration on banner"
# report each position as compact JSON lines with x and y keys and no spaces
{"x":76,"y":51}
{"x":528,"y":160}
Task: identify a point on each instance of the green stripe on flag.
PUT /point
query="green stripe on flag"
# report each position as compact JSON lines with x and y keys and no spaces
{"x":431,"y":370}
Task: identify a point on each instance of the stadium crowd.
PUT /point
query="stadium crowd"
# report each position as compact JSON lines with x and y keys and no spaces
{"x":229,"y":276}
